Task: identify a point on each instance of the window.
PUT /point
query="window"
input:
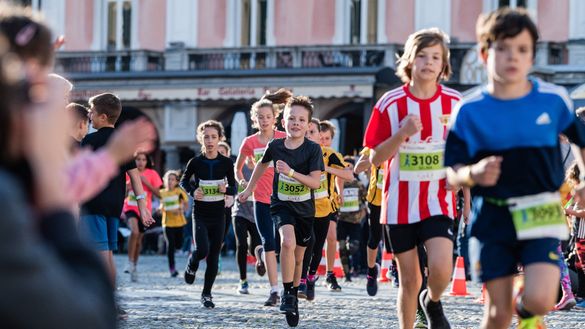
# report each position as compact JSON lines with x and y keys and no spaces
{"x":355,"y":14}
{"x":372,"y":21}
{"x":512,"y":3}
{"x":253,"y":22}
{"x":119,"y":24}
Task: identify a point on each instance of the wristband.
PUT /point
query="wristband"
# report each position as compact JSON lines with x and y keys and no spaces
{"x":141,"y":197}
{"x":291,"y":173}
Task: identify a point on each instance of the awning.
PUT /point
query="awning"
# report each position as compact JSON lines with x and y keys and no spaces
{"x":225,"y":93}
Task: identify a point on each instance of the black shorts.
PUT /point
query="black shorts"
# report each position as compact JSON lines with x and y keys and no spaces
{"x":303,"y":225}
{"x":132,"y":214}
{"x":334,"y":216}
{"x":404,"y":237}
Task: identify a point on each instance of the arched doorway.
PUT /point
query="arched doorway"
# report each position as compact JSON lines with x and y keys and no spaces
{"x":237,"y":125}
{"x":349,"y":119}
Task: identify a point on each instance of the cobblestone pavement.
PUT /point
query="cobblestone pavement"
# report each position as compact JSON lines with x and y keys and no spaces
{"x":159,"y":301}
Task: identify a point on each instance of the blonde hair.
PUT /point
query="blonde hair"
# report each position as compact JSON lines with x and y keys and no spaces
{"x":414,"y":44}
{"x":272,"y":100}
{"x":168,"y":174}
{"x":327,"y":125}
{"x":209,"y":124}
{"x":227,"y":147}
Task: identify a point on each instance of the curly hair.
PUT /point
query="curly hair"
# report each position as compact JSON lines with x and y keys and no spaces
{"x":273,"y":100}
{"x":209,"y":124}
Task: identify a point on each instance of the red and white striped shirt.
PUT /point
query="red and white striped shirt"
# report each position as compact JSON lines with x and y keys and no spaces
{"x":408,"y":201}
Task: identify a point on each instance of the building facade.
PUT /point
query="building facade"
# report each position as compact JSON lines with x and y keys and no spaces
{"x":181,"y":62}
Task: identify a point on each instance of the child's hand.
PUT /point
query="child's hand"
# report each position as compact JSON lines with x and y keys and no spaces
{"x":229,"y":201}
{"x":198,"y":195}
{"x":243,"y":197}
{"x":487,"y":171}
{"x":222,"y":188}
{"x":410,"y":125}
{"x":282,"y":167}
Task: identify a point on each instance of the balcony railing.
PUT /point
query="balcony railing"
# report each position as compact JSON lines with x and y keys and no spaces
{"x":109,"y":61}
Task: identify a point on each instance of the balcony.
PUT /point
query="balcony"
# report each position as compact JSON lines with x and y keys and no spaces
{"x":109,"y":61}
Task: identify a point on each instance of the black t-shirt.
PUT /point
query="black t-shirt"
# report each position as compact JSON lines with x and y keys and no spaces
{"x":111,"y":199}
{"x":207,"y":174}
{"x":288,"y":192}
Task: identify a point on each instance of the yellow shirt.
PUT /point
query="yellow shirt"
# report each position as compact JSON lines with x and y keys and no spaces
{"x":172,"y":214}
{"x":328,"y":204}
{"x":376,"y":185}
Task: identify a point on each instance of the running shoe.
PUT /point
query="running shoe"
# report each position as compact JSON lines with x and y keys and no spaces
{"x":189,"y":274}
{"x":122,"y":314}
{"x":288,"y":303}
{"x":372,"y":282}
{"x":174,"y":273}
{"x":273,"y":299}
{"x":134,"y":275}
{"x":535,"y":322}
{"x":580,"y":304}
{"x":128,"y":268}
{"x":566,"y":303}
{"x":332,"y":284}
{"x":433,"y":312}
{"x":311,"y":288}
{"x":302,"y":294}
{"x":243,"y":287}
{"x":260,"y":266}
{"x":206,"y":301}
{"x":421,"y":320}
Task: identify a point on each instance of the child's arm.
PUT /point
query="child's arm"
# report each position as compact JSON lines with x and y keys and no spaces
{"x":185,"y":182}
{"x":466,"y":204}
{"x":410,"y":125}
{"x":258,"y":172}
{"x":484,"y":173}
{"x":240,"y":161}
{"x":136,"y":182}
{"x":155,"y":190}
{"x":362,"y":164}
{"x":312,"y":180}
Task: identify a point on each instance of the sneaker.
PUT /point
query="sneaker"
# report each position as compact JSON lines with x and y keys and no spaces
{"x":535,"y":322}
{"x":243,"y":287}
{"x":260,"y":266}
{"x":347,"y":278}
{"x":134,"y":275}
{"x":421,"y":320}
{"x":566,"y":303}
{"x":189,"y":274}
{"x":273,"y":299}
{"x":122,"y":314}
{"x":372,"y":282}
{"x":332,"y":284}
{"x":302,"y":294}
{"x":128,"y":268}
{"x":289,"y":303}
{"x":311,"y":288}
{"x":433,"y":312}
{"x":580,"y":304}
{"x":174,"y":273}
{"x":206,"y":301}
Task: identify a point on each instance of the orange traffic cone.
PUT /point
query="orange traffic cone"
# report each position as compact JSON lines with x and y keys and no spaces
{"x":459,"y":286}
{"x":481,"y":298}
{"x":251,"y":259}
{"x":386,"y":263}
{"x":337,"y":268}
{"x":322,"y":269}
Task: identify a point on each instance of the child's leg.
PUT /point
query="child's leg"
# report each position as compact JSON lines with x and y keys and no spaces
{"x":498,"y":309}
{"x":331,"y":245}
{"x":410,"y":282}
{"x":169,"y":239}
{"x":440,"y":265}
{"x":320,"y":227}
{"x":299,"y":255}
{"x":287,"y":252}
{"x":241,"y":233}
{"x":540,"y":287}
{"x":565,"y":279}
{"x":216,"y":232}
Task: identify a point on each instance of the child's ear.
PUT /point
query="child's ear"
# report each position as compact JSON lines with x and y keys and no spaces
{"x":482,"y":53}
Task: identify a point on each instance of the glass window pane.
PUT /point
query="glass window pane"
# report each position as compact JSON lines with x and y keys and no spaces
{"x":261,"y":24}
{"x":126,"y":24}
{"x":245,"y":36}
{"x":355,"y":17}
{"x":111,"y":42}
{"x":372,"y":21}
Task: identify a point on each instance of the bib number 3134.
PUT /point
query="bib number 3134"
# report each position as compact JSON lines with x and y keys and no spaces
{"x":538,"y":216}
{"x":422,"y":161}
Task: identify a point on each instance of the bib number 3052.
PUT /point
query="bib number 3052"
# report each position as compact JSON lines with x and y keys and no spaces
{"x":289,"y":189}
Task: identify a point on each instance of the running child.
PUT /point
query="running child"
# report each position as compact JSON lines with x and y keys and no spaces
{"x":515,"y":171}
{"x":263,"y":114}
{"x":299,"y":163}
{"x":406,"y":134}
{"x":151,"y":184}
{"x":173,"y":203}
{"x":209,"y":172}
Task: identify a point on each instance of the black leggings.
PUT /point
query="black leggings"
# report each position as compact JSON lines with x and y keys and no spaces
{"x":375,"y":227}
{"x":209,"y":235}
{"x":174,"y":239}
{"x":244,"y":228}
{"x":314,"y":251}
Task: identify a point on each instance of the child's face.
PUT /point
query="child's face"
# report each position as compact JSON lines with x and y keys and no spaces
{"x":265,"y":118}
{"x":97,"y":120}
{"x":428,"y":64}
{"x":141,"y":162}
{"x":296,"y":121}
{"x":223,"y":151}
{"x":326,"y":138}
{"x":509,"y":60}
{"x":313,"y":133}
{"x":210,"y":139}
{"x":173,"y":182}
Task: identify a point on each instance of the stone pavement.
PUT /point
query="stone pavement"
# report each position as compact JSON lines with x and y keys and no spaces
{"x":159,"y":301}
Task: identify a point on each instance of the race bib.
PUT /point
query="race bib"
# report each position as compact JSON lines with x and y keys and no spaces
{"x":538,"y":216}
{"x":211,"y":190}
{"x":258,"y":153}
{"x":422,"y":161}
{"x":350,"y":200}
{"x":132,"y":199}
{"x":171,"y":202}
{"x":321,"y":192}
{"x":380,"y":179}
{"x":289,"y":189}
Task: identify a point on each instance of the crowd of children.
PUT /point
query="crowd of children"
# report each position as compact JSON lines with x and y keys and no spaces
{"x":431,"y":157}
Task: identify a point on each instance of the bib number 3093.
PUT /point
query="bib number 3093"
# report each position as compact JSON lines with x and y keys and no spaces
{"x":538,"y":216}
